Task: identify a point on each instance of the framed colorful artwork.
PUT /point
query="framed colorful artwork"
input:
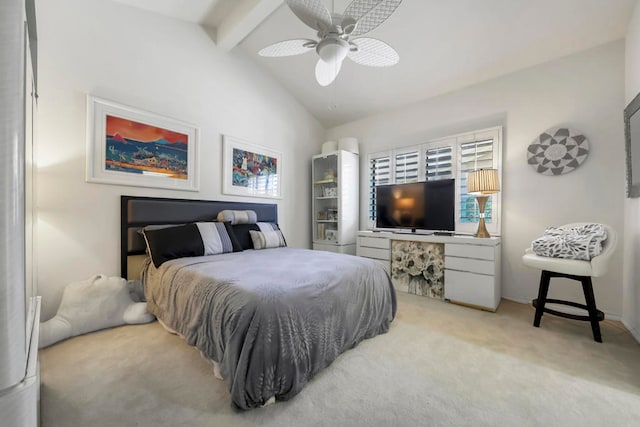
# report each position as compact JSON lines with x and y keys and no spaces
{"x":250,"y":170}
{"x":127,"y":146}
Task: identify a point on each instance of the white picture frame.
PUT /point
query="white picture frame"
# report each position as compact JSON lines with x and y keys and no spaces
{"x":251,"y":170}
{"x":129,"y":146}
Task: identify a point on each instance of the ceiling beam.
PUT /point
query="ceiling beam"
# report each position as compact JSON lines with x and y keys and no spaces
{"x":245,"y":16}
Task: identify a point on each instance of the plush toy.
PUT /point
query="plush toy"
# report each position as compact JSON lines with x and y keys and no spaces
{"x":96,"y":303}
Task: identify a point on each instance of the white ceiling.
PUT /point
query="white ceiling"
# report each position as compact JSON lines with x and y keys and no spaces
{"x":444,"y":45}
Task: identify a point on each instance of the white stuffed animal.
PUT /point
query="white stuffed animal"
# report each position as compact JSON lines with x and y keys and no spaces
{"x":96,"y":303}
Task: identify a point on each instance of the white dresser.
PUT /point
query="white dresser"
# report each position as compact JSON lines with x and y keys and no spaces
{"x":471,"y":265}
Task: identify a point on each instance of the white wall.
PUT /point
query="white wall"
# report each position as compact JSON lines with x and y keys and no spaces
{"x":583,"y":91}
{"x":631,"y":288}
{"x":160,"y":65}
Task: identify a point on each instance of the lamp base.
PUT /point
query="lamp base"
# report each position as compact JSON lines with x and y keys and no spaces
{"x":482,"y":228}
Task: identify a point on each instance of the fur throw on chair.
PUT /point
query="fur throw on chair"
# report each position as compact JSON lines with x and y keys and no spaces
{"x":96,"y":303}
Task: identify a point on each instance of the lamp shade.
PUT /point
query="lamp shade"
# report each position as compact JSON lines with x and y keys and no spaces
{"x":483,"y":181}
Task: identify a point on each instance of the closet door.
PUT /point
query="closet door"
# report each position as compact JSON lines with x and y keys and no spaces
{"x":12,"y":267}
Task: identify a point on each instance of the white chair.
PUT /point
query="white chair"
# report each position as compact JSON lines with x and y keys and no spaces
{"x":581,"y":271}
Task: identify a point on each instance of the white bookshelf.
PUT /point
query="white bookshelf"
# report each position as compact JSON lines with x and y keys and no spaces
{"x":335,"y":201}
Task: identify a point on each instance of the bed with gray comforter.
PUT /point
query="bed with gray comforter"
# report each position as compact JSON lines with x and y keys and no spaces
{"x":271,"y":318}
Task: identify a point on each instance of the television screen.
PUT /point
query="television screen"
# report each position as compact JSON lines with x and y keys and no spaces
{"x":421,"y":205}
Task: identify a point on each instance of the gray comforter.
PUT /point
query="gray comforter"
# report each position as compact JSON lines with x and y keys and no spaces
{"x":271,"y":318}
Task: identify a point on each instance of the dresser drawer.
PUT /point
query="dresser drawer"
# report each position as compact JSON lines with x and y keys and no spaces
{"x":471,"y":265}
{"x":469,"y":251}
{"x":472,"y":289}
{"x":374,"y":242}
{"x":376,"y":253}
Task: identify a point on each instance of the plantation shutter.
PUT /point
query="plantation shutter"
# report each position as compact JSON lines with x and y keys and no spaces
{"x":379,"y":174}
{"x":439,"y":163}
{"x":474,"y":155}
{"x":407,"y":167}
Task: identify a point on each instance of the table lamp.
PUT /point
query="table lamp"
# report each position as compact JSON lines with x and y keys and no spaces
{"x":482,"y":183}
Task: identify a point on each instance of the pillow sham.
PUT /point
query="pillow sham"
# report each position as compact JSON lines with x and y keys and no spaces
{"x":238,"y":217}
{"x":241,"y":233}
{"x":188,"y":240}
{"x":267,"y":239}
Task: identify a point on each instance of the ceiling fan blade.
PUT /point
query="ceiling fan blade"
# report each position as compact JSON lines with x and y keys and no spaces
{"x":289,"y":48}
{"x":373,"y":53}
{"x":312,"y":12}
{"x":326,"y":73}
{"x":370,"y":13}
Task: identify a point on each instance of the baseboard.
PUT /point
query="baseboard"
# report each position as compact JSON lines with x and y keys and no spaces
{"x":607,"y":315}
{"x":634,"y":332}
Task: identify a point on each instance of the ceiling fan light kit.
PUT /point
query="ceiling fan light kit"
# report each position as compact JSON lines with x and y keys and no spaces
{"x":332,"y":49}
{"x":335,"y":33}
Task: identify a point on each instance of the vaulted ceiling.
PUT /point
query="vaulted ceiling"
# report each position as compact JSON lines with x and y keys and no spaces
{"x":443,"y":45}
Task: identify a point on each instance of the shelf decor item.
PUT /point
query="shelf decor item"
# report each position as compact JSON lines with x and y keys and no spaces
{"x":330,"y":191}
{"x":251,"y":170}
{"x":128,"y":146}
{"x":482,"y":183}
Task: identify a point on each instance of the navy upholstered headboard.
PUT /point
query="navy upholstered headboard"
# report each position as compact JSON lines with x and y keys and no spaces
{"x":136,"y":212}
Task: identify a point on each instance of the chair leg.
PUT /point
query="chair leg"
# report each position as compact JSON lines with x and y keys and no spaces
{"x":590,"y":299}
{"x":545,"y":277}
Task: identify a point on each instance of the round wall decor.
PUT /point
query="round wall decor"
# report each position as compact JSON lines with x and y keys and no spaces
{"x":558,"y":151}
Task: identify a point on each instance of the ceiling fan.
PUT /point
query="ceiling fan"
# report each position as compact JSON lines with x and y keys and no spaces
{"x":338,"y":36}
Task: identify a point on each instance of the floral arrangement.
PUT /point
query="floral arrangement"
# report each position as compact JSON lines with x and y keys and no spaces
{"x":418,"y":267}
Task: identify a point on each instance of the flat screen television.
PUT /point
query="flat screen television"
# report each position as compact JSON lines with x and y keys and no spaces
{"x":426,"y":205}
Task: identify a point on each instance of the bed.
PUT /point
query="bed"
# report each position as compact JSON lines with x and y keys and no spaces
{"x":268,"y":319}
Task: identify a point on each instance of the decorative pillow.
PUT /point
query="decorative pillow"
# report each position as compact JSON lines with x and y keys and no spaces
{"x":238,"y":217}
{"x":241,"y":233}
{"x":271,"y":226}
{"x":196,"y":239}
{"x":267,"y":239}
{"x":88,"y":305}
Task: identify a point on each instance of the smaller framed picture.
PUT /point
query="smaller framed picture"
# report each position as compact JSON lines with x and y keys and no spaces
{"x":331,"y":235}
{"x":251,"y":170}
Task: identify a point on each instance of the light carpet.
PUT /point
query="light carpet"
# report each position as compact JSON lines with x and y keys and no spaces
{"x":439,"y":365}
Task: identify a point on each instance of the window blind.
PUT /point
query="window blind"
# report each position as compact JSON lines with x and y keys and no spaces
{"x":379,"y":174}
{"x":439,"y":163}
{"x":474,"y":155}
{"x":407,"y":167}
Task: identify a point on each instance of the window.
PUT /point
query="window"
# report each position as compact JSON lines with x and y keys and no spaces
{"x":445,"y":158}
